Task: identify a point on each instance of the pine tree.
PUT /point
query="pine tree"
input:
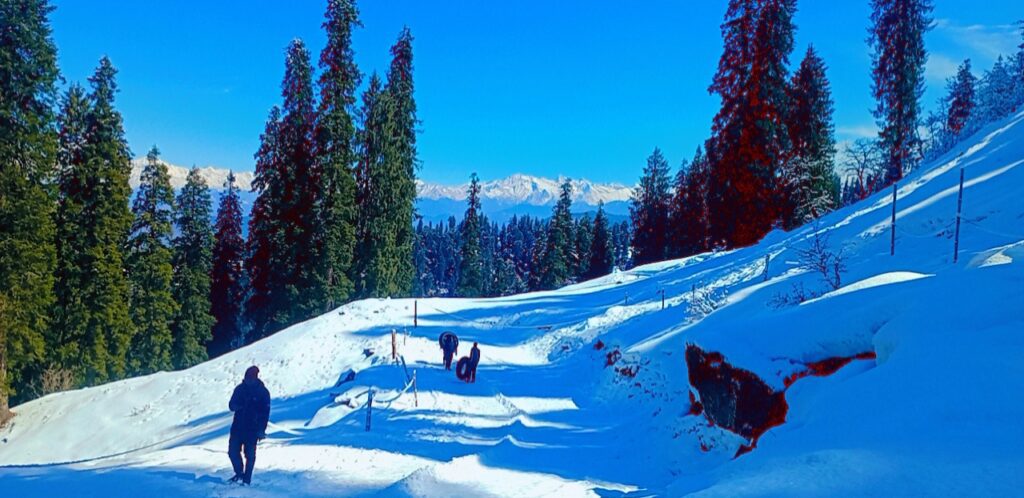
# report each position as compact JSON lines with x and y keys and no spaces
{"x":996,"y":92}
{"x":386,"y":181}
{"x":556,"y":260}
{"x":336,"y":152}
{"x":471,"y":276}
{"x":961,"y":98}
{"x":28,"y":75}
{"x":150,"y":270}
{"x":649,"y":211}
{"x":193,"y":249}
{"x":698,"y":213}
{"x":1019,"y":65}
{"x":265,"y":263}
{"x":750,"y":141}
{"x":227,"y":276}
{"x":399,"y":168}
{"x":602,"y":257}
{"x":304,"y":295}
{"x":581,"y":252}
{"x":74,"y":182}
{"x":286,"y":258}
{"x":898,"y":60}
{"x":678,"y":224}
{"x":93,"y":329}
{"x":370,"y":141}
{"x":811,"y":184}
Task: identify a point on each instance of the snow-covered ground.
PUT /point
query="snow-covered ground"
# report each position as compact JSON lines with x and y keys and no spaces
{"x":937,"y":413}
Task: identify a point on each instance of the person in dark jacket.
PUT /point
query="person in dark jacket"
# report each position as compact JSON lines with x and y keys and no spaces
{"x":251,"y":404}
{"x":474,"y":360}
{"x":450,"y":347}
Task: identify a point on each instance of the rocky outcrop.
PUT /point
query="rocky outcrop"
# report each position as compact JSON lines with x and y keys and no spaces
{"x":738,"y":400}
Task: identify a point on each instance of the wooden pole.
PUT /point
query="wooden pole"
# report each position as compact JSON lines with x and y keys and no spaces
{"x":959,"y":207}
{"x":892,"y":240}
{"x":415,"y":393}
{"x":662,"y":298}
{"x":394,"y":345}
{"x":765,"y":267}
{"x":415,"y":314}
{"x":369,"y":409}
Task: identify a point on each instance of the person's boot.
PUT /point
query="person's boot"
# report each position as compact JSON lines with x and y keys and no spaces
{"x":236,"y":479}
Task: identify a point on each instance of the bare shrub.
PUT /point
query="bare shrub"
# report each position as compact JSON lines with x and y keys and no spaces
{"x":55,"y":380}
{"x":795,"y":296}
{"x":819,"y":257}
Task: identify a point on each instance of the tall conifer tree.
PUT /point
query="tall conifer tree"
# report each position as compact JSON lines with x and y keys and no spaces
{"x":898,"y":60}
{"x":471,"y":270}
{"x":584,"y":232}
{"x":227,"y":277}
{"x":649,"y":211}
{"x":750,"y":141}
{"x":370,"y":139}
{"x":336,"y":152}
{"x":153,"y":307}
{"x":28,"y":74}
{"x":74,"y":182}
{"x":556,"y":261}
{"x":387,"y":192}
{"x":678,"y":224}
{"x":812,"y":186}
{"x":97,"y":330}
{"x":961,"y":98}
{"x":304,"y":294}
{"x":285,"y":257}
{"x":193,"y":248}
{"x":265,"y":263}
{"x":602,"y":250}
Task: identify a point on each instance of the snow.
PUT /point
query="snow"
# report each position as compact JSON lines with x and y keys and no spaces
{"x":215,"y":177}
{"x":526,"y":189}
{"x":892,"y":277}
{"x":937,"y":413}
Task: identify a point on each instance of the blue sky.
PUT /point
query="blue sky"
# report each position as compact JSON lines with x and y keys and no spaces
{"x":580,"y":88}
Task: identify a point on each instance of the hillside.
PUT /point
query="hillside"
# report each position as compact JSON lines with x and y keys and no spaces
{"x":903,"y":381}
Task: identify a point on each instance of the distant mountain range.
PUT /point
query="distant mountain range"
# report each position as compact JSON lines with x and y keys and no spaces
{"x":215,"y":177}
{"x":520,"y":194}
{"x":501,"y":199}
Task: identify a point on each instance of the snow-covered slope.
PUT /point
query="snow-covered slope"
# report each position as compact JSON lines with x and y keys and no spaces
{"x":585,"y":391}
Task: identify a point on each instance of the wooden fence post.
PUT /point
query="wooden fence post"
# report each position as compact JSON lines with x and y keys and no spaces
{"x":369,"y":410}
{"x":892,"y":241}
{"x":415,"y":393}
{"x":394,"y":345}
{"x":959,"y":206}
{"x":766,"y":260}
{"x":415,"y":314}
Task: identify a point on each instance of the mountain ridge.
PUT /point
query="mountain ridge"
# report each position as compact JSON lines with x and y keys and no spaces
{"x":517,"y":188}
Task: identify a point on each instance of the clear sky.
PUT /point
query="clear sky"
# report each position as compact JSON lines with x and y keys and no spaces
{"x":581,"y":88}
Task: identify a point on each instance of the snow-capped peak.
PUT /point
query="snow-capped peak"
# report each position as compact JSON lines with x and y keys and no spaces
{"x":525,"y":189}
{"x":215,"y":177}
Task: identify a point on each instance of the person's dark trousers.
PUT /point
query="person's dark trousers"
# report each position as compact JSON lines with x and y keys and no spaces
{"x":472,"y":373}
{"x":236,"y":445}
{"x":447,"y":361}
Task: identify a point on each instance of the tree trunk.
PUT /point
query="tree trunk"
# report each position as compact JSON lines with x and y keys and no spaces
{"x":5,"y":412}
